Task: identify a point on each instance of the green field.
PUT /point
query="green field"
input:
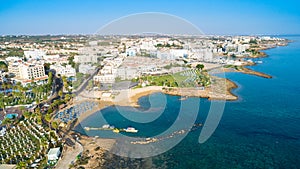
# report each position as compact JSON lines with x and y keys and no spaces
{"x":188,"y":78}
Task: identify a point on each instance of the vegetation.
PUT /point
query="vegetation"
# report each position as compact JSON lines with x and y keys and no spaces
{"x":25,"y":143}
{"x":19,"y":95}
{"x":190,"y":78}
{"x":200,"y":66}
{"x":71,"y":60}
{"x":169,"y":46}
{"x":173,"y":65}
{"x":80,"y":77}
{"x":3,"y":66}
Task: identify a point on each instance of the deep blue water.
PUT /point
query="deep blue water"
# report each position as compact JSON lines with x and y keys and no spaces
{"x":260,"y":130}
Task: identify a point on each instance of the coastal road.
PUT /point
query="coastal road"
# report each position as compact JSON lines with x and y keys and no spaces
{"x":69,"y":155}
{"x":85,"y":83}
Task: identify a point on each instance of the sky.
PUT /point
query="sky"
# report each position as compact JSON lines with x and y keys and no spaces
{"x":220,"y":17}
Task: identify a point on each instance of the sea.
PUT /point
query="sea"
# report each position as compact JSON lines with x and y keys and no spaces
{"x":259,"y":130}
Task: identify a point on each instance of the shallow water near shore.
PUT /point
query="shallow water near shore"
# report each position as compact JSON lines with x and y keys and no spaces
{"x":260,"y":130}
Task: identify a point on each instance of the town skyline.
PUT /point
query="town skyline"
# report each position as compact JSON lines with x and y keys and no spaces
{"x":213,"y":18}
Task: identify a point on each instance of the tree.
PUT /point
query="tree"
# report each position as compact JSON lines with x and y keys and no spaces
{"x":6,"y":121}
{"x":200,"y":66}
{"x":38,"y":110}
{"x":39,"y":120}
{"x":67,"y":97}
{"x":48,"y":117}
{"x":50,"y":78}
{"x":22,"y":164}
{"x":3,"y":66}
{"x":54,"y":125}
{"x":2,"y":102}
{"x":233,"y":56}
{"x":71,"y":60}
{"x":26,"y":114}
{"x":60,"y":93}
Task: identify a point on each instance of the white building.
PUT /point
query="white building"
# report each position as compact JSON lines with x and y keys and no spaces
{"x":202,"y":55}
{"x":107,"y":78}
{"x":67,"y":70}
{"x":86,"y":68}
{"x":53,"y":154}
{"x":88,"y":58}
{"x":26,"y":72}
{"x":242,"y":47}
{"x":13,"y":68}
{"x":126,"y":73}
{"x":51,"y":57}
{"x":2,"y":131}
{"x":131,"y":52}
{"x":166,"y":55}
{"x":13,"y":59}
{"x":147,"y":45}
{"x":179,"y":53}
{"x":34,"y":54}
{"x":108,"y":69}
{"x":31,"y":71}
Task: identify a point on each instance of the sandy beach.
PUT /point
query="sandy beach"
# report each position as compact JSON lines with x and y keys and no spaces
{"x":130,"y":97}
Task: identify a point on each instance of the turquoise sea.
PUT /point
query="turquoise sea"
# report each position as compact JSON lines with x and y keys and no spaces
{"x":260,"y":130}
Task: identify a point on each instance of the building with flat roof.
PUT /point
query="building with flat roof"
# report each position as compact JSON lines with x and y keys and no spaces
{"x":86,"y":68}
{"x":31,"y":71}
{"x":53,"y":154}
{"x":25,"y":72}
{"x":67,"y":70}
{"x":106,"y":78}
{"x":34,"y":54}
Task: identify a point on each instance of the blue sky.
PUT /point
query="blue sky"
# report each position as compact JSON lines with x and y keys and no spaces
{"x":212,"y":17}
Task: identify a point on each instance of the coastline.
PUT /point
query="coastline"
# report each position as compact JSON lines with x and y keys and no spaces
{"x":221,"y":91}
{"x":131,"y":97}
{"x":248,"y":71}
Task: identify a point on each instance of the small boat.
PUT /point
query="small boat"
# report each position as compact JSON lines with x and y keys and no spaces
{"x":105,"y":126}
{"x":131,"y":130}
{"x":116,"y":130}
{"x":184,"y":98}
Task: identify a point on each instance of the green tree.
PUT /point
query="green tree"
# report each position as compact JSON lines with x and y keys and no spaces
{"x":200,"y":66}
{"x":2,"y":102}
{"x":50,"y":78}
{"x":21,"y":165}
{"x":60,"y":93}
{"x":26,"y":114}
{"x":48,"y":117}
{"x":6,"y":121}
{"x":55,"y":125}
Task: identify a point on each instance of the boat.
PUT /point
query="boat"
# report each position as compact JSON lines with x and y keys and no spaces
{"x":116,"y":130}
{"x":105,"y":126}
{"x":131,"y":130}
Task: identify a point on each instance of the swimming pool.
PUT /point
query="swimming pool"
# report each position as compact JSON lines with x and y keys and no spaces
{"x":11,"y":116}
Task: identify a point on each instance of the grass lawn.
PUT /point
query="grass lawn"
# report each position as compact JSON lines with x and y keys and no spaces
{"x":189,"y":78}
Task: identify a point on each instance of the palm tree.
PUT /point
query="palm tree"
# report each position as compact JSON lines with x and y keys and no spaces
{"x":26,"y":114}
{"x":2,"y":102}
{"x":48,"y":119}
{"x":22,"y":165}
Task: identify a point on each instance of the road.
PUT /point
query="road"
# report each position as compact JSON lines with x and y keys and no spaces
{"x":85,"y":83}
{"x":69,"y":155}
